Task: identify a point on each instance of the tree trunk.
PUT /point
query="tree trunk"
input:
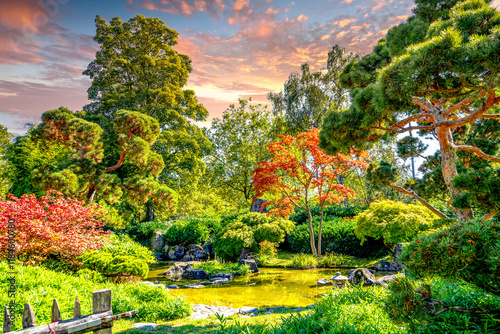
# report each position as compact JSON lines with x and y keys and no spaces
{"x":449,"y":168}
{"x":91,"y":194}
{"x":319,"y":232}
{"x":341,"y":180}
{"x":311,"y":231}
{"x":150,"y":214}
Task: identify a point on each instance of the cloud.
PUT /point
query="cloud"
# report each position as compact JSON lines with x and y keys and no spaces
{"x":345,"y":22}
{"x":185,"y":7}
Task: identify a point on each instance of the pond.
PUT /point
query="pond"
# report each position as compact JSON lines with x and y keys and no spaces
{"x":271,"y":287}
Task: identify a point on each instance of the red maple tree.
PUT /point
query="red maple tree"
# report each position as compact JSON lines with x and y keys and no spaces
{"x":300,"y":174}
{"x":50,"y":227}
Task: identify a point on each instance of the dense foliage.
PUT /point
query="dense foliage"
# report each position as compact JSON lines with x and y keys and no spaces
{"x":39,"y":286}
{"x":299,"y":216}
{"x":338,"y":237}
{"x":393,"y":221}
{"x":187,"y":232}
{"x":247,"y":231}
{"x":440,"y":78}
{"x":51,"y":227}
{"x":468,"y":251}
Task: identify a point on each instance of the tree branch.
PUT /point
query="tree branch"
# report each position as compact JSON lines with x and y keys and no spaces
{"x":118,"y":164}
{"x":490,"y":101}
{"x":477,"y":151}
{"x":421,"y":200}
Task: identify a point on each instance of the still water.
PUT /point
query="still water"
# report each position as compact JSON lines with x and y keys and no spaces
{"x":269,"y":288}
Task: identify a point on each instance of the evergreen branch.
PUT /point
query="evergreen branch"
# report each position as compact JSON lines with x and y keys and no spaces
{"x":477,"y":151}
{"x":118,"y":164}
{"x":420,"y":199}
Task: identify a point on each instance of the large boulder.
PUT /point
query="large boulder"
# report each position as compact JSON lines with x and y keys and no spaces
{"x":195,"y":273}
{"x":386,"y":266}
{"x":217,"y":276}
{"x":195,"y":253}
{"x":209,"y":248}
{"x":177,"y":270}
{"x":252,"y":264}
{"x":257,"y":204}
{"x":157,"y":242}
{"x":358,"y":275}
{"x":324,"y":281}
{"x":387,"y":279}
{"x":176,"y":253}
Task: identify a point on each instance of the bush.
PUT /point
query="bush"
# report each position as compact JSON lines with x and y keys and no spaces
{"x":249,"y":230}
{"x":122,"y":267}
{"x":124,"y":245}
{"x":419,"y":306}
{"x":467,"y":250}
{"x":50,"y":228}
{"x":393,"y":221}
{"x":187,"y":232}
{"x":332,"y":211}
{"x":39,"y":286}
{"x":214,"y":267}
{"x":337,"y":237}
{"x":146,"y":230}
{"x":304,"y":260}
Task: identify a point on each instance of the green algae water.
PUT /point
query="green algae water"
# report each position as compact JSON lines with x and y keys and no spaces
{"x":270,"y":288}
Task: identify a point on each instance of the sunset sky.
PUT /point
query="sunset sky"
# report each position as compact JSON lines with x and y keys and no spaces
{"x":239,"y":48}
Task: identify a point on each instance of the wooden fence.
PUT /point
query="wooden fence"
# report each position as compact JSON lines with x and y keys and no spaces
{"x":99,"y":322}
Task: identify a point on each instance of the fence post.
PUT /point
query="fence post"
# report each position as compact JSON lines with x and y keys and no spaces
{"x":77,"y":311}
{"x":7,"y":321}
{"x":56,"y":312}
{"x":29,"y":319}
{"x":101,"y":302}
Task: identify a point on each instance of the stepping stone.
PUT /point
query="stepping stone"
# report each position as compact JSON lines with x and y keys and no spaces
{"x":145,"y":326}
{"x":173,"y":286}
{"x":194,"y":286}
{"x":248,"y":310}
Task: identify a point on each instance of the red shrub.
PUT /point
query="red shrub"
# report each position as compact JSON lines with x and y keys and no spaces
{"x":50,"y":227}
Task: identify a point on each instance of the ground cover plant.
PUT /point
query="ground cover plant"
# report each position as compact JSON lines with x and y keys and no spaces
{"x":39,"y":286}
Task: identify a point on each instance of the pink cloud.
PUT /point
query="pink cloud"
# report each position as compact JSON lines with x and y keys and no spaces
{"x":345,"y":22}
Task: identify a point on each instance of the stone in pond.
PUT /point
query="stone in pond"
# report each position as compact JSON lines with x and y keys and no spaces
{"x":173,"y":286}
{"x":229,"y":276}
{"x":324,"y":281}
{"x":195,"y":273}
{"x":387,"y":279}
{"x":358,"y":275}
{"x":248,"y":309}
{"x":157,"y":242}
{"x":220,"y":281}
{"x":252,"y":264}
{"x":176,"y":253}
{"x":207,"y":283}
{"x":194,"y":286}
{"x":386,"y":266}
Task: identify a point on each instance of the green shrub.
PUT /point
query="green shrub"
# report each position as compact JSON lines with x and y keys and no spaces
{"x":419,"y":306}
{"x":115,"y":265}
{"x":337,"y":237}
{"x":249,"y":230}
{"x":39,"y":286}
{"x":187,"y":232}
{"x":467,"y":250}
{"x":393,"y":221}
{"x":332,"y":211}
{"x":304,"y":260}
{"x":124,"y":245}
{"x":145,"y":231}
{"x":334,"y":260}
{"x":214,"y":267}
{"x":267,"y":248}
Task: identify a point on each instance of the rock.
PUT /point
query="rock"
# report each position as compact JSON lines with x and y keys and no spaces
{"x":207,"y":283}
{"x":310,"y":306}
{"x":145,"y":326}
{"x":176,"y":253}
{"x":397,"y":254}
{"x":160,"y":257}
{"x":248,"y":310}
{"x":221,"y":281}
{"x":377,"y":283}
{"x":274,"y":309}
{"x":173,"y":286}
{"x":202,"y":311}
{"x":385,"y":266}
{"x":358,"y":275}
{"x":229,"y":276}
{"x":252,"y":264}
{"x":195,"y":253}
{"x":256,"y":205}
{"x":165,"y":250}
{"x":148,"y":283}
{"x":177,"y":269}
{"x":324,"y":281}
{"x":209,"y":248}
{"x":387,"y":279}
{"x":194,"y":286}
{"x":195,"y":273}
{"x":266,"y":313}
{"x":245,"y":252}
{"x":157,"y":242}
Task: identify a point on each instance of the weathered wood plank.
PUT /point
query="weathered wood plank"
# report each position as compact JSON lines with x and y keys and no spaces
{"x":7,"y":321}
{"x":101,"y":302}
{"x":77,"y":311}
{"x":29,"y":319}
{"x":56,"y":312}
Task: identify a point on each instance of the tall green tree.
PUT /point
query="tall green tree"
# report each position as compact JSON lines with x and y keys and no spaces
{"x":240,"y":141}
{"x":441,"y":82}
{"x":85,"y":175}
{"x":137,"y":69}
{"x":5,"y":145}
{"x":307,"y":96}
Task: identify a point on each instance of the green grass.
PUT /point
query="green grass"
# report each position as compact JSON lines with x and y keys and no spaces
{"x":216,"y":266}
{"x":39,"y":286}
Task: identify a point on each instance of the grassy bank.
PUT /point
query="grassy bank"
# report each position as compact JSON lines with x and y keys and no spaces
{"x":39,"y":286}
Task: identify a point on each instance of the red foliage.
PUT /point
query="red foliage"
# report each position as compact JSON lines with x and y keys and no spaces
{"x":50,"y":227}
{"x":300,"y":173}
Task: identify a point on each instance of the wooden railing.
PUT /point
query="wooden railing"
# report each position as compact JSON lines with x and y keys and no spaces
{"x":99,"y":322}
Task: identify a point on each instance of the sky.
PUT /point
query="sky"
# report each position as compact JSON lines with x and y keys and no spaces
{"x":239,"y":48}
